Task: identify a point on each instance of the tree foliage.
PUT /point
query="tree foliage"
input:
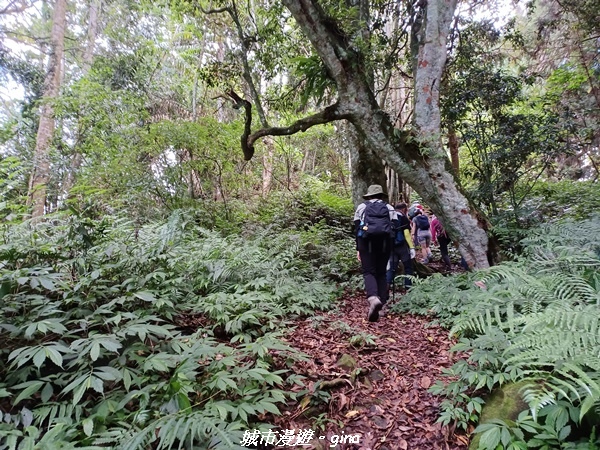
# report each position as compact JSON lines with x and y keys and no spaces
{"x":509,"y":138}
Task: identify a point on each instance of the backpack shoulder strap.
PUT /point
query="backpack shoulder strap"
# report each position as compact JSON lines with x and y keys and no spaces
{"x":366,"y":203}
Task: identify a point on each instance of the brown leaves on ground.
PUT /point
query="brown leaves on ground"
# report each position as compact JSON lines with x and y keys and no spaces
{"x":379,"y":389}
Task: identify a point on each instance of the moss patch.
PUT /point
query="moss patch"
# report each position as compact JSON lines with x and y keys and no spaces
{"x":505,"y":403}
{"x":347,"y":362}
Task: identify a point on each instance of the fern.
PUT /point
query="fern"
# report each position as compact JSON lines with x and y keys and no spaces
{"x":534,"y":320}
{"x":92,"y":323}
{"x":582,"y":234}
{"x":185,"y":430}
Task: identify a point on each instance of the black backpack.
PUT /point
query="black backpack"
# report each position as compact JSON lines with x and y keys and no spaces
{"x":400,"y":238}
{"x":422,"y":222}
{"x":376,"y":221}
{"x":399,"y":231}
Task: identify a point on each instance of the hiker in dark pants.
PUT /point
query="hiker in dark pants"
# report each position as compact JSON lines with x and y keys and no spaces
{"x":439,"y":234}
{"x":374,"y":242}
{"x":404,"y":248}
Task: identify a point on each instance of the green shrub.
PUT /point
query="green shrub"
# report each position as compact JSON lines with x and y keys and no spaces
{"x":13,"y":188}
{"x":548,"y":202}
{"x":128,"y":336}
{"x":535,"y":321}
{"x":566,"y":199}
{"x":318,"y":222}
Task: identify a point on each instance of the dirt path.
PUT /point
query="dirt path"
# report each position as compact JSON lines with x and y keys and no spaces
{"x":381,"y":392}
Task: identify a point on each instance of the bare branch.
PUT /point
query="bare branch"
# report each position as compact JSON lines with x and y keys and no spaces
{"x":213,"y":11}
{"x":329,"y":114}
{"x":15,"y":6}
{"x":591,"y":38}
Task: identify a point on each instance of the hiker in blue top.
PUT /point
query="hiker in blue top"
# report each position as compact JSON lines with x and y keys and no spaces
{"x":375,"y":221}
{"x":422,"y":233}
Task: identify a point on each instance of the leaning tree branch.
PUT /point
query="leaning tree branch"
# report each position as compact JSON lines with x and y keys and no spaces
{"x":243,"y":103}
{"x":329,"y":114}
{"x":212,"y":11}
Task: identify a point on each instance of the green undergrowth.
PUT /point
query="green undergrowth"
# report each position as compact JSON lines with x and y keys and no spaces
{"x":166,"y":335}
{"x":534,"y":321}
{"x":547,"y":202}
{"x":321,"y":222}
{"x":565,"y":199}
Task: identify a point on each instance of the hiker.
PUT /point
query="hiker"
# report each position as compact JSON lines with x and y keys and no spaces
{"x":404,"y":248}
{"x":422,"y":233}
{"x":440,"y":236}
{"x":414,"y":207}
{"x":375,"y":221}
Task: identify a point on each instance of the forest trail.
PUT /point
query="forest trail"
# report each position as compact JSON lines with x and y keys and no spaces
{"x":381,"y":393}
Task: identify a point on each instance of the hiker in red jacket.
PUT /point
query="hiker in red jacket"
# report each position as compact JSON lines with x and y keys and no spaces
{"x":440,"y":235}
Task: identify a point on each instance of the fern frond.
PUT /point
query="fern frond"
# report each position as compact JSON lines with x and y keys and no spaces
{"x":558,"y":333}
{"x":537,"y":396}
{"x":573,"y":289}
{"x":586,"y":382}
{"x":185,"y":430}
{"x":569,"y":233}
{"x":560,"y":343}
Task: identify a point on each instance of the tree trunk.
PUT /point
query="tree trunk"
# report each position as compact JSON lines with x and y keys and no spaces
{"x":304,"y":163}
{"x":366,"y":167}
{"x":453,"y":145}
{"x":393,"y":187}
{"x":88,"y":59}
{"x":420,"y":160}
{"x":92,"y":34}
{"x":268,"y":157}
{"x":41,"y":164}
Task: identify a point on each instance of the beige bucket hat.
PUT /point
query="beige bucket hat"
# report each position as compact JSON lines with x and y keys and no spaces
{"x":374,"y":189}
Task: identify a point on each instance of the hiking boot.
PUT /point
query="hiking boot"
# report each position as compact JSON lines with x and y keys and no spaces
{"x":374,"y":308}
